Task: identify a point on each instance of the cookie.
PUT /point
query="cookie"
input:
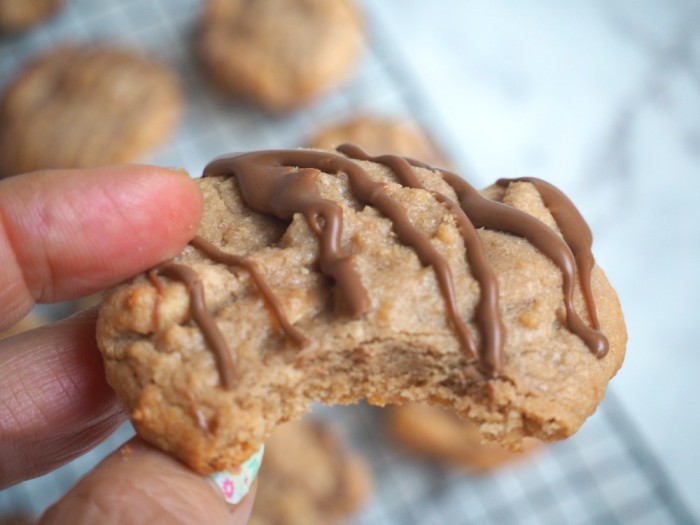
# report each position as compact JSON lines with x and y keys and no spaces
{"x":308,"y":477}
{"x":378,"y":135}
{"x":19,"y":15}
{"x":333,"y":277}
{"x":279,"y":54}
{"x":84,"y":106}
{"x":437,"y":434}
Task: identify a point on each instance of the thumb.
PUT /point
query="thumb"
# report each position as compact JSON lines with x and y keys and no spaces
{"x":141,"y":485}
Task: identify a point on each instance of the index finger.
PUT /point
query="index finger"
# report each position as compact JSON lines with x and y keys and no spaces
{"x":69,"y":233}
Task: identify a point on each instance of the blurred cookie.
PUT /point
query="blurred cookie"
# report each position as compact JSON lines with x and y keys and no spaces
{"x":380,"y":136}
{"x":18,"y":15}
{"x":308,"y":478}
{"x":84,"y":106}
{"x":438,"y":434}
{"x":279,"y":54}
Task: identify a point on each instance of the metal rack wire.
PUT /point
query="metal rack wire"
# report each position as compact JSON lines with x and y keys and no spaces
{"x":606,"y":474}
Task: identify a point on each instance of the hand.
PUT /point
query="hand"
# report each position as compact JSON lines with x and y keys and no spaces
{"x":66,"y":234}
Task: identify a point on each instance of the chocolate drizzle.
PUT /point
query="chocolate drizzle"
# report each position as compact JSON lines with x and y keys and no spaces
{"x":579,"y":240}
{"x":271,"y":301}
{"x":574,"y":249}
{"x":283,"y":182}
{"x":269,"y":185}
{"x":487,"y":312}
{"x":205,"y":321}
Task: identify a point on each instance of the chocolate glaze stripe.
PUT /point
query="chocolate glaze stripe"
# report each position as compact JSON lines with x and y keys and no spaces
{"x":280,"y":182}
{"x":200,"y":314}
{"x":575,"y":231}
{"x":204,"y":320}
{"x":560,"y":252}
{"x":487,"y":315}
{"x":271,"y":301}
{"x":493,"y":215}
{"x":283,"y":182}
{"x":268,"y":186}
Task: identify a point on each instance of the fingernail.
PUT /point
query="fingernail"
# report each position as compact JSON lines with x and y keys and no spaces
{"x":177,"y":170}
{"x":235,"y":485}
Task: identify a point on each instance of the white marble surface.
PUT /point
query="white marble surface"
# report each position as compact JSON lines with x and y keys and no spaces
{"x":603,"y":98}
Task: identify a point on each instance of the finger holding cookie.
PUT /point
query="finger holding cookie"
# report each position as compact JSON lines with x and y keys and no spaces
{"x":137,"y":485}
{"x":54,"y":401}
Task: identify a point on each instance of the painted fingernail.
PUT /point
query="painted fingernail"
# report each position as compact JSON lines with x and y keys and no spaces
{"x":234,"y":485}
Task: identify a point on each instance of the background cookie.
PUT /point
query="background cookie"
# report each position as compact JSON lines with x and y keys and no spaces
{"x":84,"y":106}
{"x":308,"y":478}
{"x":272,"y":333}
{"x":18,"y":15}
{"x":438,"y":434}
{"x":380,"y":135}
{"x":279,"y":54}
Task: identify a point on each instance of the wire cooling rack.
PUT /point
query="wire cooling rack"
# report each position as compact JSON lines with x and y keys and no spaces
{"x":605,"y":474}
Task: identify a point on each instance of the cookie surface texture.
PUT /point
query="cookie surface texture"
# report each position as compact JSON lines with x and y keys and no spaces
{"x":79,"y":107}
{"x":316,"y":277}
{"x":308,"y":477}
{"x":279,"y":54}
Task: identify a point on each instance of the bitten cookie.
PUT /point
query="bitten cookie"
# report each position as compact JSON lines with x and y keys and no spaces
{"x":279,"y":54}
{"x":308,"y":477}
{"x":333,"y":277}
{"x":16,"y":520}
{"x":378,"y":135}
{"x":438,"y":434}
{"x":78,"y":107}
{"x":18,"y":15}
